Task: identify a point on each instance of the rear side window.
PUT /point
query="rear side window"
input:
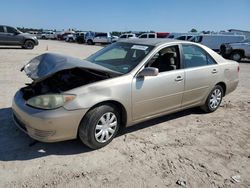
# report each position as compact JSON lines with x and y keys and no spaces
{"x":101,"y":35}
{"x":1,"y":29}
{"x":11,"y":30}
{"x":194,"y":56}
{"x":123,"y":36}
{"x":151,"y":36}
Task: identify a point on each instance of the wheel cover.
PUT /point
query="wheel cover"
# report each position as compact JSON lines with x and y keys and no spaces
{"x":105,"y":127}
{"x":29,"y":45}
{"x":215,"y":99}
{"x":236,"y":57}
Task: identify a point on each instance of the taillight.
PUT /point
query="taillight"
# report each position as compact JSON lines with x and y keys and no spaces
{"x":238,"y":69}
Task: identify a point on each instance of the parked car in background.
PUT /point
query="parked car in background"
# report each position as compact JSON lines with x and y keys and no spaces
{"x":125,"y":83}
{"x":70,"y":38}
{"x":35,"y":33}
{"x":153,"y":35}
{"x":80,"y":37}
{"x":147,"y":35}
{"x":47,"y":35}
{"x":215,"y":41}
{"x":11,"y":36}
{"x":63,"y":35}
{"x":98,"y":37}
{"x":184,"y":37}
{"x":127,"y":36}
{"x":236,"y":51}
{"x":177,"y":35}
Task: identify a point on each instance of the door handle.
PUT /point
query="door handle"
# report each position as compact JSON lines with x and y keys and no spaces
{"x":178,"y":78}
{"x":214,"y":71}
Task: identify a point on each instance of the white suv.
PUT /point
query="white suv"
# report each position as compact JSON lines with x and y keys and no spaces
{"x":127,"y":36}
{"x":98,"y":37}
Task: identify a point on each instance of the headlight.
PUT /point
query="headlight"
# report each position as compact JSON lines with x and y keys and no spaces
{"x":50,"y":101}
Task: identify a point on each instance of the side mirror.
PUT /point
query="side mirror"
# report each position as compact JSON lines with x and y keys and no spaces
{"x":148,"y":71}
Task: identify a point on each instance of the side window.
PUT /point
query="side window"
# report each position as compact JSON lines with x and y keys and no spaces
{"x":166,"y":59}
{"x":123,"y":36}
{"x":1,"y":29}
{"x":11,"y":30}
{"x":151,"y":36}
{"x":194,"y":56}
{"x":143,"y":36}
{"x":181,"y":38}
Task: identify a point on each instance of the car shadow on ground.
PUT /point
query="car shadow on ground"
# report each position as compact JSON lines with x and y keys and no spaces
{"x":10,"y":48}
{"x":16,"y":145}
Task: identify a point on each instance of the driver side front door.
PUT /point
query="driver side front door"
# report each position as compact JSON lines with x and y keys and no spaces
{"x":153,"y":95}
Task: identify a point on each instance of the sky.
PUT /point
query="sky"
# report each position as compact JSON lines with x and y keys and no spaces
{"x":127,"y":15}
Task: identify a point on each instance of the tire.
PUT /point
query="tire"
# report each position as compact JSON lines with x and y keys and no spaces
{"x":212,"y":102}
{"x":29,"y":44}
{"x":43,"y":37}
{"x":90,"y":42}
{"x":236,"y":56}
{"x":95,"y":131}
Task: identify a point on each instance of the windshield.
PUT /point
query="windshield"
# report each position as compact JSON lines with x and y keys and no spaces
{"x":120,"y":57}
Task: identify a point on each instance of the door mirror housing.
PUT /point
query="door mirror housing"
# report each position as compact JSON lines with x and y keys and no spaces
{"x":148,"y":71}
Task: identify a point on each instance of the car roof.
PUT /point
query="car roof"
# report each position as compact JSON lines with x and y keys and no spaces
{"x":151,"y":41}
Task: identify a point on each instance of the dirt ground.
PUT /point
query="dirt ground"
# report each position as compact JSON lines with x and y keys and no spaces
{"x":201,"y":150}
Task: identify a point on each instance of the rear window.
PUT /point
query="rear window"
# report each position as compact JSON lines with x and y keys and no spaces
{"x":1,"y":29}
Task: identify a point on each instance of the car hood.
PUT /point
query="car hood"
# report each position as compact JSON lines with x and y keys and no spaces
{"x":26,"y":35}
{"x":48,"y":64}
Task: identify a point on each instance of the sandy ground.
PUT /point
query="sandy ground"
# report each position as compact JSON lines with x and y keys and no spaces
{"x":201,"y":150}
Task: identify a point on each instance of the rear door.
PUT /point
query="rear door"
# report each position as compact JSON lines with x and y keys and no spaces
{"x":201,"y":74}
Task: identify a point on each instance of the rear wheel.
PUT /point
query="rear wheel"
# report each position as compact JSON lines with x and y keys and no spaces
{"x":90,"y":42}
{"x":236,"y":56}
{"x":99,"y":126}
{"x":214,"y":99}
{"x":29,"y":44}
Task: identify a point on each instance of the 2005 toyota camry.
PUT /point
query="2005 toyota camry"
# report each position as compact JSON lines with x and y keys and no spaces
{"x":124,"y":83}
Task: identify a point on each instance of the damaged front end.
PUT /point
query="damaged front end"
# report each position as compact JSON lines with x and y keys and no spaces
{"x":53,"y":74}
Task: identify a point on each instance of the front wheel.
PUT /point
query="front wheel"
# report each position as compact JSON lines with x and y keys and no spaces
{"x":90,"y":42}
{"x":29,"y":44}
{"x":214,"y":99}
{"x":99,"y":126}
{"x":236,"y":56}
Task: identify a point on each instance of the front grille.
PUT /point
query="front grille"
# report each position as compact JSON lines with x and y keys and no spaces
{"x":32,"y":131}
{"x":40,"y":133}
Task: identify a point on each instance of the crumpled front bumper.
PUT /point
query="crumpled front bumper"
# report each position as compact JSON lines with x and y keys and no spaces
{"x":46,"y":125}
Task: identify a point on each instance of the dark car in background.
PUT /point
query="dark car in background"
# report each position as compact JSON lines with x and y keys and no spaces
{"x":11,"y":36}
